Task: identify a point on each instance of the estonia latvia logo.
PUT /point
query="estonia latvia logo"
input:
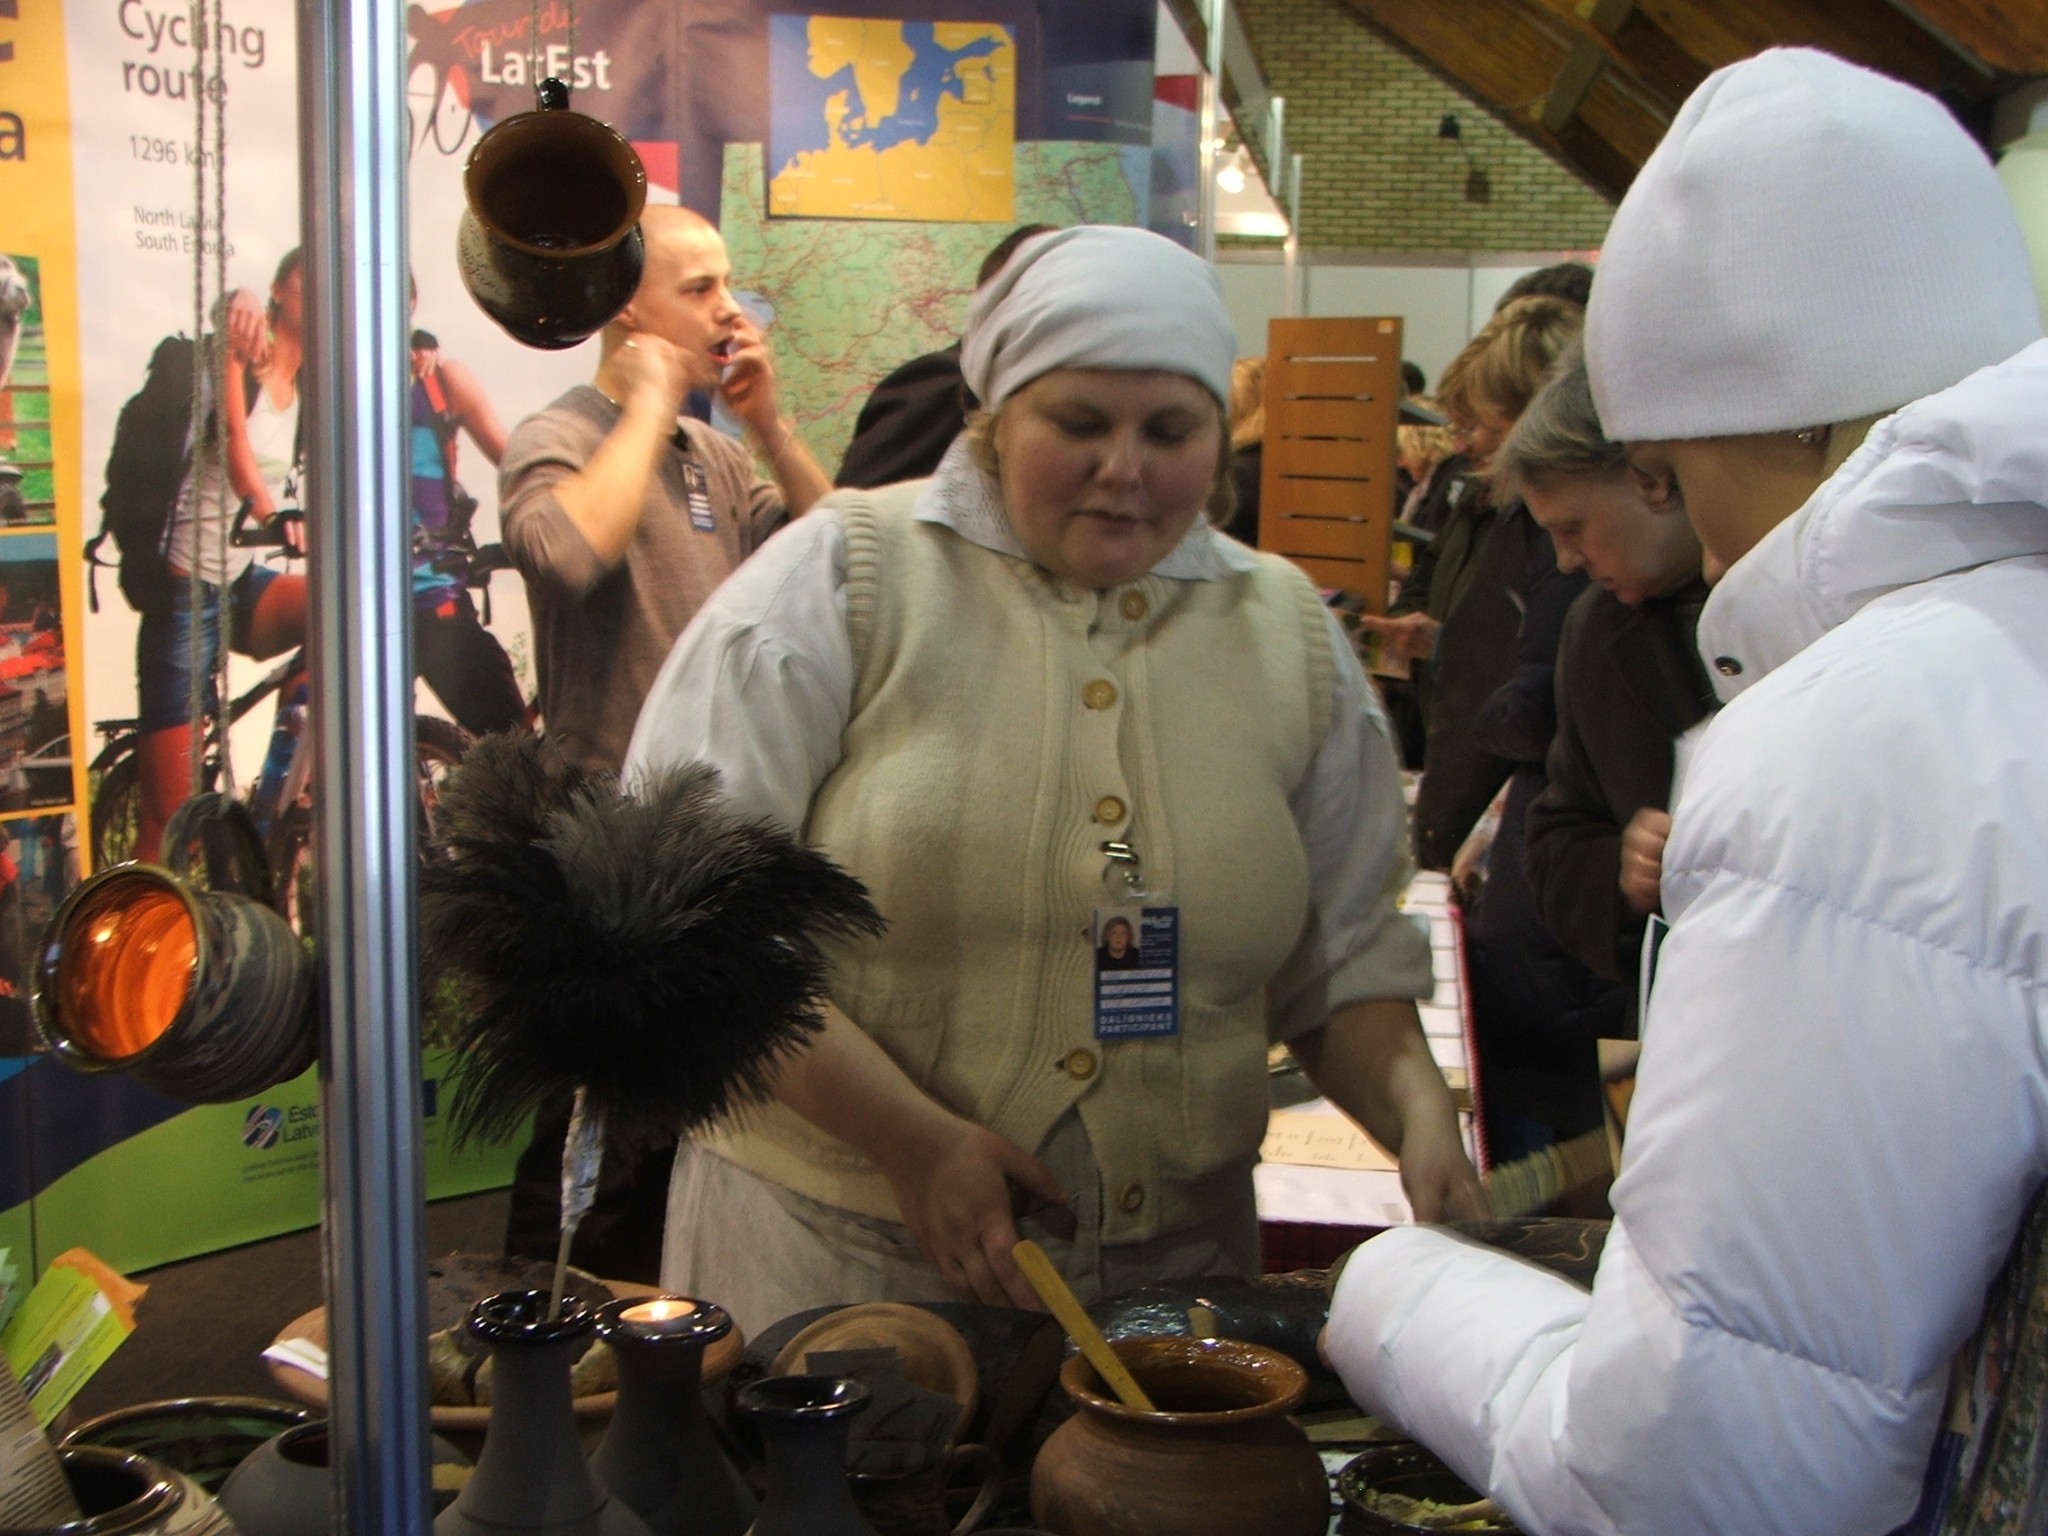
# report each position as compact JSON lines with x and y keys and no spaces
{"x":261,"y":1127}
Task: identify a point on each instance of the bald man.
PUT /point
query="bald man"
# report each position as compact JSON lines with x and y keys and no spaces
{"x":622,"y":514}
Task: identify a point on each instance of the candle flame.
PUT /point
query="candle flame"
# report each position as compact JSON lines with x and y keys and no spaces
{"x":664,"y":1309}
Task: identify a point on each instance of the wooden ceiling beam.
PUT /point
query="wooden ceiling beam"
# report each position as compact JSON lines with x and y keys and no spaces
{"x":1568,"y":87}
{"x":1869,"y":32}
{"x":1650,"y":63}
{"x":1494,"y":49}
{"x":1508,"y":54}
{"x":2008,"y":35}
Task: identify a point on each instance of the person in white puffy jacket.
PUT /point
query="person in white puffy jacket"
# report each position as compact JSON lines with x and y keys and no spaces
{"x":1814,"y":322}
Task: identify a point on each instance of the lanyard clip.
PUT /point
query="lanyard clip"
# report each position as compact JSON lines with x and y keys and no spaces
{"x":1123,"y":860}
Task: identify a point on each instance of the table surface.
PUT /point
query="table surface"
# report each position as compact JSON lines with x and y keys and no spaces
{"x":1317,"y":1168}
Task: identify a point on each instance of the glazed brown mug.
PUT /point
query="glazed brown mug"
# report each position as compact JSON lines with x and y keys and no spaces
{"x":550,"y":244}
{"x":204,"y":996}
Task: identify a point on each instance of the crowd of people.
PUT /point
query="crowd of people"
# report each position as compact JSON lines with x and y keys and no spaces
{"x":1726,"y":614}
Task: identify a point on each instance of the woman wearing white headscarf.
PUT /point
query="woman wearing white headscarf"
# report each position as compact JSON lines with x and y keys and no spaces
{"x":1814,"y":323}
{"x":996,"y":696}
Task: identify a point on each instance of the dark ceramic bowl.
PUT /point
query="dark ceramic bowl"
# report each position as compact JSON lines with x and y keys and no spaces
{"x":205,"y":1438}
{"x":1404,"y":1469}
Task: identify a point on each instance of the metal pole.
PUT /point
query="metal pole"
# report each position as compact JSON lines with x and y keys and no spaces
{"x":1211,"y":115}
{"x":1276,"y":148}
{"x":354,"y":139}
{"x":1291,"y":252}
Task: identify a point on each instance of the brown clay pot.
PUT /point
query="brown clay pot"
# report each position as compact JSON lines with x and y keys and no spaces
{"x":1220,"y":1457}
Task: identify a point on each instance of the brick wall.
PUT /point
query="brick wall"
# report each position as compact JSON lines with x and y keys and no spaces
{"x":1375,"y":175}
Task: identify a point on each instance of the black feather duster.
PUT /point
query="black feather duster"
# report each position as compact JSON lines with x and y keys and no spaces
{"x":661,"y":952}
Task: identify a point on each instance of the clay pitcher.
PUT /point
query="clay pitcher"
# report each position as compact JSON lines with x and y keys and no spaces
{"x":550,"y":245}
{"x":1220,"y":1457}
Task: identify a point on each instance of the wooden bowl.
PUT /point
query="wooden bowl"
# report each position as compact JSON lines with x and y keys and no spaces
{"x":934,"y":1354}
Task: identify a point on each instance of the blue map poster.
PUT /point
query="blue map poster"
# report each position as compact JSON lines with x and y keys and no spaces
{"x":881,"y":119}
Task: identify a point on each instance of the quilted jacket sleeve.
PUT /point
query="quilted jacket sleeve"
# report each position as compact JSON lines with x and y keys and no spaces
{"x":1837,"y":1126}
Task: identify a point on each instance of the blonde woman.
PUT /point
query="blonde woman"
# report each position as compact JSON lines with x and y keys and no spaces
{"x":1247,"y":446}
{"x":998,"y":697}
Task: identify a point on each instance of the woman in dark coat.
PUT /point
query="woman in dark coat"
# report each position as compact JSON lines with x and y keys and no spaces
{"x":1629,"y":678}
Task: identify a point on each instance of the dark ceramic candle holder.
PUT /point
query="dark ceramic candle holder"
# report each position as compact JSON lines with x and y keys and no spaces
{"x":532,"y":1476}
{"x":803,"y":1421}
{"x":659,"y":1456}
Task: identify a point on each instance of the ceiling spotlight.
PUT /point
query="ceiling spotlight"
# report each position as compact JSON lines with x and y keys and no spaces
{"x":1230,"y":175}
{"x":1449,"y":128}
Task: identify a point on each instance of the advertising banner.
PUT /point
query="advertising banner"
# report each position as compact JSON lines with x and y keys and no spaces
{"x":860,"y":161}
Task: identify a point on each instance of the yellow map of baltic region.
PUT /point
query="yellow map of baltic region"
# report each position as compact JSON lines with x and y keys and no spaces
{"x":891,"y":119}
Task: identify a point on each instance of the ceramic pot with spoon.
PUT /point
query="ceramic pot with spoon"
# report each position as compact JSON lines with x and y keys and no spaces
{"x":1216,"y":1456}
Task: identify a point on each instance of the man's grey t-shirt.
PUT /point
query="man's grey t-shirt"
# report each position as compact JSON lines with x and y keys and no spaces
{"x":601,"y":632}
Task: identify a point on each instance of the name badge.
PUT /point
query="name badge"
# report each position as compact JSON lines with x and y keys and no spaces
{"x":697,"y":492}
{"x":1137,"y":972}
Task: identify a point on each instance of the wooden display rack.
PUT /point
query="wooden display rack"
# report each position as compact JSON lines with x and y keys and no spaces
{"x":1326,"y":491}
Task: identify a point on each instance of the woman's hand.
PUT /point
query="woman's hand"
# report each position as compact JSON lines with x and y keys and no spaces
{"x":1412,"y":635}
{"x":1371,"y":1060}
{"x":951,"y":1178}
{"x":1437,"y":1177}
{"x":952,"y":1182}
{"x":1468,"y":867}
{"x":248,"y":328}
{"x":1642,"y":859}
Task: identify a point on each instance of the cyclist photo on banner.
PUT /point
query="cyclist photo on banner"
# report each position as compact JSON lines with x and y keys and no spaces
{"x":453,"y":653}
{"x":246,"y":486}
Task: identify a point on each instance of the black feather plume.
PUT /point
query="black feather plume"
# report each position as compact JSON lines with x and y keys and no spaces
{"x":662,"y":951}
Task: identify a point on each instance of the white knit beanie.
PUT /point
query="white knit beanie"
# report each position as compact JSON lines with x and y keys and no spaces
{"x":1810,"y":243}
{"x":1098,"y":296}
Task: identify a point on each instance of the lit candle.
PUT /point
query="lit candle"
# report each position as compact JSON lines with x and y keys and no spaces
{"x":662,"y":1309}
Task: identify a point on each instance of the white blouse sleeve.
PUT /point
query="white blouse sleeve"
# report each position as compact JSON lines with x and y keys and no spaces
{"x":760,"y":685}
{"x":1357,"y":944}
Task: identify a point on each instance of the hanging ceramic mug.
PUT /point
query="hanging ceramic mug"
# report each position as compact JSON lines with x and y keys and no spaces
{"x":205,"y":996}
{"x":550,"y":245}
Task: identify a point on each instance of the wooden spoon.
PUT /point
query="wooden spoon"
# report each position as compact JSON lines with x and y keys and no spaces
{"x":1063,"y":1304}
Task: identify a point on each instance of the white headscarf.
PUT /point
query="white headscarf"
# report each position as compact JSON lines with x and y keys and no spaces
{"x":1098,"y":296}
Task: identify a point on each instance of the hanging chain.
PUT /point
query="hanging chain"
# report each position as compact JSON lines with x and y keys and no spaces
{"x":538,"y":55}
{"x":205,"y":492}
{"x":534,"y":55}
{"x":216,"y":88}
{"x":203,"y":455}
